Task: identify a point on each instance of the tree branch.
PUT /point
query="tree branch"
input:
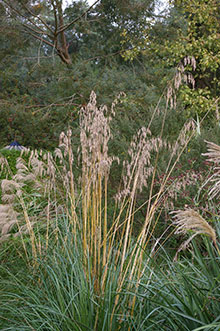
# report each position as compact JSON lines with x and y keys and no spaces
{"x":55,"y":17}
{"x":23,"y":16}
{"x":38,"y":32}
{"x":56,"y":35}
{"x":78,"y":18}
{"x":43,"y":40}
{"x":39,"y":18}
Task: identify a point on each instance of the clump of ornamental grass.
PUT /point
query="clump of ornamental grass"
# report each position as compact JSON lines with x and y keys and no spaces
{"x":109,"y":254}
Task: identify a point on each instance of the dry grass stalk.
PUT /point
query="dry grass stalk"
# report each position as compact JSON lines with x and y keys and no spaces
{"x":96,"y":163}
{"x":213,"y":155}
{"x":4,"y":166}
{"x":190,"y":221}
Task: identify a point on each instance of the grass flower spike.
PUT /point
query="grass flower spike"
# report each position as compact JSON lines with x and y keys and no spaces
{"x":189,"y":220}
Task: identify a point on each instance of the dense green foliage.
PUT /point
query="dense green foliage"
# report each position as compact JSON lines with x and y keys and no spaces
{"x":126,"y":47}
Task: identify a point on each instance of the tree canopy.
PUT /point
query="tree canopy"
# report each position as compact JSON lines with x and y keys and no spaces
{"x":52,"y":57}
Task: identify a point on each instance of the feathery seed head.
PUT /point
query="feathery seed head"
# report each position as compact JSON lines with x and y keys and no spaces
{"x":189,"y":219}
{"x":94,"y":137}
{"x":138,"y":169}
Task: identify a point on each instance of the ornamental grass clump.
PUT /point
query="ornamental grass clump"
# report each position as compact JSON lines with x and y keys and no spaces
{"x":111,"y":259}
{"x":110,"y":253}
